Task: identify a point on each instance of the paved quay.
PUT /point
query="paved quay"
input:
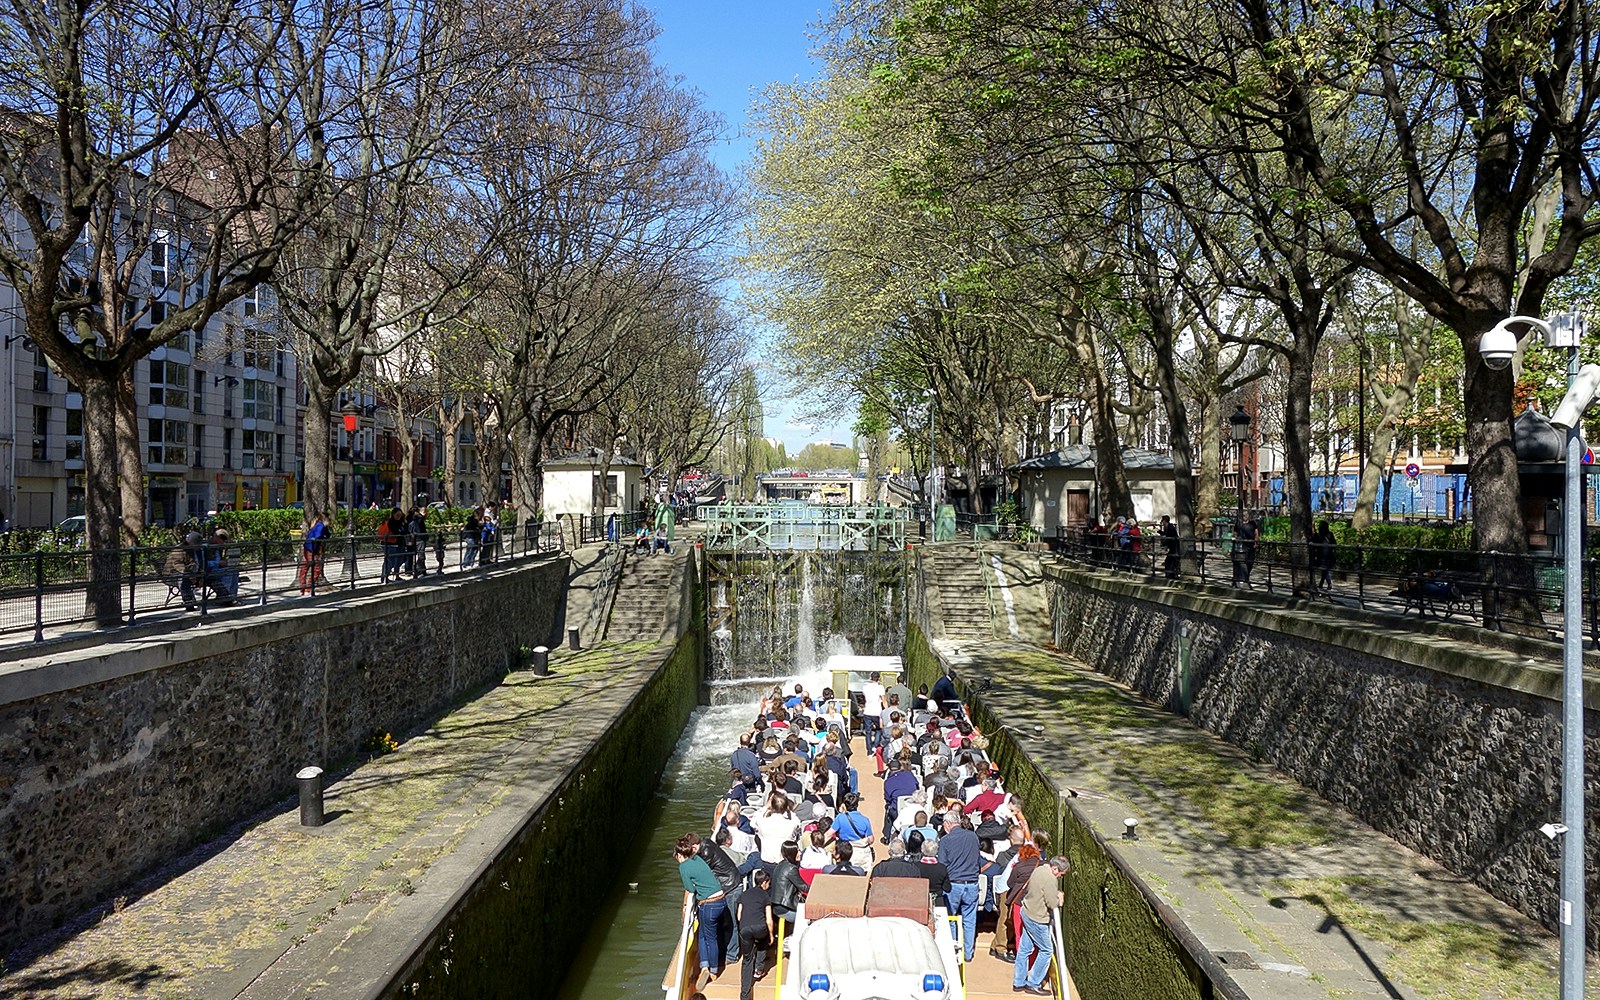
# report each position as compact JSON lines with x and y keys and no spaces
{"x":270,"y":908}
{"x":1296,"y":897}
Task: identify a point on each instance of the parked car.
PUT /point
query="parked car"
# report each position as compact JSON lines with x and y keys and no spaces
{"x":74,"y":531}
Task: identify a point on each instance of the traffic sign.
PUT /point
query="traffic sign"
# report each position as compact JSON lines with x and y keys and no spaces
{"x":1413,"y":470}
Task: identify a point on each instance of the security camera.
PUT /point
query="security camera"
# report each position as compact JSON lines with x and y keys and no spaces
{"x":1578,"y":398}
{"x":1553,"y":830}
{"x":1498,"y":347}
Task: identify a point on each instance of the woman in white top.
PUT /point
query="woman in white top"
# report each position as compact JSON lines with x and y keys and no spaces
{"x":774,"y":825}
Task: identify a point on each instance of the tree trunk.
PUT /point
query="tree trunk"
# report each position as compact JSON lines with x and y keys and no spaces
{"x":974,"y":459}
{"x":449,"y":419}
{"x":1497,"y":527}
{"x":102,"y":502}
{"x":1110,"y":476}
{"x":1297,"y":459}
{"x":130,"y":466}
{"x":491,"y":451}
{"x":318,"y":481}
{"x":1166,"y":380}
{"x":1208,"y":488}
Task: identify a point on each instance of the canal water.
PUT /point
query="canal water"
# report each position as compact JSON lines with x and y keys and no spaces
{"x":772,"y":620}
{"x":626,"y":954}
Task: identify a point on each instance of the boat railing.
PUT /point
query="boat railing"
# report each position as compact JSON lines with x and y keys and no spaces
{"x":685,"y":968}
{"x":1058,"y":957}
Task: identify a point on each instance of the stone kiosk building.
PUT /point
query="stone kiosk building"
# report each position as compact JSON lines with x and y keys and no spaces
{"x":1058,"y":492}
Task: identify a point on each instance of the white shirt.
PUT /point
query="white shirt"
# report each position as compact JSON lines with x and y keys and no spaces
{"x":873,"y":691}
{"x":774,"y":829}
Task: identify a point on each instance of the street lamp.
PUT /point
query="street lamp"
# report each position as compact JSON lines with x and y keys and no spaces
{"x":352,"y":419}
{"x":1239,"y":430}
{"x":1497,"y":347}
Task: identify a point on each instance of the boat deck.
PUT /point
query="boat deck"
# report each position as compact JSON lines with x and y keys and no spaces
{"x":987,"y":978}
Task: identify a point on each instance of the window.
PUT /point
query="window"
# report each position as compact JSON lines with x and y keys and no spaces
{"x":199,"y":442}
{"x":260,"y":449}
{"x":227,"y":396}
{"x":41,"y":433}
{"x":250,"y":303}
{"x":41,"y":371}
{"x":162,"y":257}
{"x":258,"y":397}
{"x":227,"y":447}
{"x":199,"y":391}
{"x":281,"y":408}
{"x":169,"y":441}
{"x":169,"y":384}
{"x":74,"y":435}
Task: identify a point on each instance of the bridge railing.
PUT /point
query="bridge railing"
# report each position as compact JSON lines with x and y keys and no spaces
{"x":46,"y":591}
{"x":803,"y":527}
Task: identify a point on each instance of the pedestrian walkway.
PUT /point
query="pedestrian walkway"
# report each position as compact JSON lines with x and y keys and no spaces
{"x":266,"y":909}
{"x":1293,"y":895}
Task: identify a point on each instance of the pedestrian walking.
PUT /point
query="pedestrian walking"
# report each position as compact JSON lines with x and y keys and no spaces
{"x":471,"y":538}
{"x":311,"y":555}
{"x":1324,"y":553}
{"x":1170,"y":542}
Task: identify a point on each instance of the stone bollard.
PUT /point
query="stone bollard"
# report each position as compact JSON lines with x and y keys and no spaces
{"x":541,"y":661}
{"x":310,"y":779}
{"x":572,"y":638}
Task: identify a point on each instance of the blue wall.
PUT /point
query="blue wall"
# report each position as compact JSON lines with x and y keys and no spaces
{"x":1428,"y":494}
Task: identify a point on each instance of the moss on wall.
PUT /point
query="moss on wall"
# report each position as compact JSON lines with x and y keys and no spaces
{"x":515,"y":934}
{"x":1117,"y":945}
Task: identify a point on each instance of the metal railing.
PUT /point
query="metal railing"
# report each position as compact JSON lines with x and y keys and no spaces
{"x":1502,"y":592}
{"x":802,"y":527}
{"x":47,"y":591}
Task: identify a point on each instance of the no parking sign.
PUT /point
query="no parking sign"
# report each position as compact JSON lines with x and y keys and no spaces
{"x":1413,"y":470}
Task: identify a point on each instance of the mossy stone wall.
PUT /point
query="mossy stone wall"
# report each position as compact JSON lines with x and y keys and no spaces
{"x":116,"y":758}
{"x":1449,"y":747}
{"x":1120,"y":939}
{"x":515,"y":934}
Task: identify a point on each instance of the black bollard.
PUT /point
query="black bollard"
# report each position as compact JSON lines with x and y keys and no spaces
{"x":310,"y":779}
{"x":541,"y":661}
{"x":572,"y":638}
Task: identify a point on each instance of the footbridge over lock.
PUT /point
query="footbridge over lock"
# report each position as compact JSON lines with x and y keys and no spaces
{"x":799,"y":527}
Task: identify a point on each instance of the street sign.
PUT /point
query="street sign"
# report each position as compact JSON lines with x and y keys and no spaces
{"x":1413,"y":470}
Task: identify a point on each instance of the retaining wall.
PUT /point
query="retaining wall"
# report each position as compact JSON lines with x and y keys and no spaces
{"x":1451,"y":748}
{"x":513,"y":931}
{"x":116,"y":758}
{"x":1121,"y":939}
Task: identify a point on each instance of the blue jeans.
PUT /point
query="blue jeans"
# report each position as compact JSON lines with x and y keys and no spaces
{"x":962,"y":899}
{"x":469,"y":552}
{"x":711,"y":919}
{"x":1033,"y":954}
{"x":871,"y":730}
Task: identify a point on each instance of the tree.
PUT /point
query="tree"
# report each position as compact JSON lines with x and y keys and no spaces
{"x":152,"y":186}
{"x":1468,"y":113}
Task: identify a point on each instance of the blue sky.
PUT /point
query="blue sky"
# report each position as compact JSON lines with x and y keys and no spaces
{"x":729,"y":52}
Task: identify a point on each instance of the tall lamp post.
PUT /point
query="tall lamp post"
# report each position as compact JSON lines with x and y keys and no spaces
{"x":1239,"y":430}
{"x":1498,"y":347}
{"x":352,"y":420}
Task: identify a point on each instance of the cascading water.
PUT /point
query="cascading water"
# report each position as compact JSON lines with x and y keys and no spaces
{"x":784,"y":613}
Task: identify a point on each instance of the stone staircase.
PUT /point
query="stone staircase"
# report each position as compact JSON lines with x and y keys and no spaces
{"x":645,"y":607}
{"x":960,"y":595}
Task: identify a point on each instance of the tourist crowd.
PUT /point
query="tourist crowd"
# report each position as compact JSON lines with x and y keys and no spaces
{"x":794,"y":810}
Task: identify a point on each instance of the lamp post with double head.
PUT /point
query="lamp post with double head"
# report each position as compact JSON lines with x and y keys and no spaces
{"x":1498,"y":347}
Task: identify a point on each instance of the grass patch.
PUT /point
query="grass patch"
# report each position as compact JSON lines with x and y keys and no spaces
{"x":1442,"y":959}
{"x":1248,"y":811}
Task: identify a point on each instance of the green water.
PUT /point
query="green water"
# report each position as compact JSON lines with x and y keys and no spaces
{"x":626,"y":954}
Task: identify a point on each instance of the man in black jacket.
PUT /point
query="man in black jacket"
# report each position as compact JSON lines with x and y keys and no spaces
{"x":897,"y":865}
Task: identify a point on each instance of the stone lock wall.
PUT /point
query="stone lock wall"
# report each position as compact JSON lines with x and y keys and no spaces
{"x":120,"y":757}
{"x":1121,"y":939}
{"x":1449,"y":748}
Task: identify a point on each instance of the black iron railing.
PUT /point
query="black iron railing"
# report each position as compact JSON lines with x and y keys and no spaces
{"x":1519,"y":593}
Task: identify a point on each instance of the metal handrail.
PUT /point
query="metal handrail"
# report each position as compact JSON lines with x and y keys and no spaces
{"x":43,"y":589}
